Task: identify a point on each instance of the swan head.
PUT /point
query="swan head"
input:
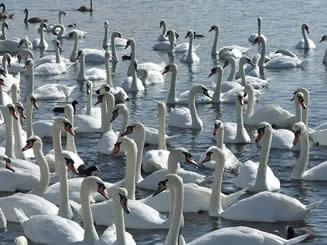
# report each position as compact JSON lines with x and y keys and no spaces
{"x":120,"y":195}
{"x":214,"y":28}
{"x":262,"y":127}
{"x":130,"y":42}
{"x":218,"y":125}
{"x":33,"y":101}
{"x":83,"y":170}
{"x":2,"y":82}
{"x":248,"y":89}
{"x":216,"y":70}
{"x":135,"y":127}
{"x":123,"y":144}
{"x":162,"y":23}
{"x":6,"y":159}
{"x":323,"y":38}
{"x":61,"y":12}
{"x":245,"y":60}
{"x":299,"y":98}
{"x":61,"y":122}
{"x":116,"y":34}
{"x":12,"y":111}
{"x":104,"y":88}
{"x":89,"y":86}
{"x":69,"y":161}
{"x":106,"y":24}
{"x":95,"y":184}
{"x":73,"y":35}
{"x":33,"y":140}
{"x":20,"y":109}
{"x":120,"y":108}
{"x":182,"y":155}
{"x":200,"y":89}
{"x":161,"y":108}
{"x":190,"y":34}
{"x":259,"y":39}
{"x":169,"y":182}
{"x":214,"y":153}
{"x":239,"y":99}
{"x":25,"y":10}
{"x":305,"y":27}
{"x":170,"y":68}
{"x":29,"y":64}
{"x":80,"y":54}
{"x":58,"y":46}
{"x":299,"y":129}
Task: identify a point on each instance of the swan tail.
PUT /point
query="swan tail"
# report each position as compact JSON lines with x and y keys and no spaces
{"x":20,"y":215}
{"x":231,"y":198}
{"x":297,"y":239}
{"x":313,"y":205}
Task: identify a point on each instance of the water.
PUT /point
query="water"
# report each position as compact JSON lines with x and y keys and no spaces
{"x":237,"y":19}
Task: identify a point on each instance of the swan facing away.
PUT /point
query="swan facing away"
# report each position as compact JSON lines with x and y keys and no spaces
{"x":306,"y":42}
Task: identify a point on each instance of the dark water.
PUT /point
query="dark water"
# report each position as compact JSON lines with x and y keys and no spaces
{"x":237,"y":19}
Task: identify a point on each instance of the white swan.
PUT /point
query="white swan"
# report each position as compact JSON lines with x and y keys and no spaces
{"x":162,"y":37}
{"x":133,"y":83}
{"x":154,"y":160}
{"x":258,"y":176}
{"x":94,"y":56}
{"x":53,"y":91}
{"x":277,"y":62}
{"x":3,"y":222}
{"x":227,"y":51}
{"x":169,"y":45}
{"x":235,"y":132}
{"x":324,"y":38}
{"x":9,"y":79}
{"x":183,"y":117}
{"x":9,"y":45}
{"x":318,"y":172}
{"x":116,"y":40}
{"x":65,"y":231}
{"x":141,"y":216}
{"x":197,"y":198}
{"x":90,"y":74}
{"x":306,"y":42}
{"x":231,"y":160}
{"x":40,"y":43}
{"x":252,"y":69}
{"x":255,"y":35}
{"x":89,"y":109}
{"x":31,"y":103}
{"x":191,"y":56}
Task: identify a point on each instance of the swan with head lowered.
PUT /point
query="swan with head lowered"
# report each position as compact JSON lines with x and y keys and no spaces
{"x":279,"y":61}
{"x":191,"y":56}
{"x":227,"y":51}
{"x":197,"y":198}
{"x":141,"y":216}
{"x":318,"y":172}
{"x":183,"y":117}
{"x":258,"y":176}
{"x":306,"y":42}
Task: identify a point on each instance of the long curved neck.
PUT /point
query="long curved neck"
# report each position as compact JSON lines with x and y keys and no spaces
{"x":30,"y":79}
{"x":104,"y":117}
{"x":81,"y":75}
{"x":242,"y":73}
{"x":305,"y":112}
{"x":305,"y":38}
{"x":250,"y":108}
{"x":162,"y":129}
{"x":89,"y":103}
{"x":196,"y":121}
{"x":119,"y":223}
{"x":130,"y":171}
{"x":91,"y":5}
{"x":4,"y":34}
{"x":26,"y":16}
{"x":4,"y":64}
{"x":324,"y":61}
{"x":263,"y":53}
{"x":140,"y":138}
{"x":70,"y":139}
{"x":124,"y":121}
{"x":176,"y":201}
{"x":108,"y":72}
{"x":131,"y":68}
{"x":172,"y":91}
{"x":1,"y":97}
{"x":113,"y":49}
{"x":18,"y":140}
{"x":60,"y":18}
{"x":105,"y":38}
{"x":42,"y":45}
{"x":57,"y":146}
{"x":9,"y":135}
{"x":215,"y":206}
{"x":298,"y":112}
{"x":217,"y":93}
{"x":73,"y":56}
{"x":172,"y":163}
{"x":215,"y":42}
{"x":240,"y":126}
{"x":110,"y":101}
{"x":232,"y":70}
{"x":190,"y":47}
{"x":164,"y":28}
{"x":44,"y":171}
{"x":302,"y":161}
{"x":134,"y":81}
{"x":90,"y":233}
{"x":57,"y":55}
{"x":259,"y":29}
{"x":261,"y":180}
{"x":29,"y":116}
{"x":220,"y":138}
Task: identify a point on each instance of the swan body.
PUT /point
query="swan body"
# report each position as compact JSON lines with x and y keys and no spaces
{"x":162,"y":37}
{"x":90,"y":74}
{"x":40,"y":43}
{"x":191,"y":56}
{"x":33,"y":20}
{"x":133,"y":83}
{"x":53,"y":92}
{"x":306,"y":42}
{"x":258,"y":176}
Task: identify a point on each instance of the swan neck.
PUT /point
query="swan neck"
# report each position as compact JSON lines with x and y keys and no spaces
{"x":217,"y":93}
{"x":73,"y":56}
{"x":81,"y":75}
{"x":119,"y":223}
{"x":9,"y":135}
{"x":302,"y":161}
{"x":124,"y":121}
{"x":70,"y":139}
{"x":172,"y":90}
{"x":305,"y":38}
{"x":4,"y":64}
{"x":113,"y":49}
{"x":19,"y":144}
{"x":140,"y":138}
{"x":89,"y":103}
{"x":65,"y":209}
{"x":110,"y":101}
{"x":104,"y":117}
{"x":240,"y":126}
{"x":232,"y":70}
{"x":250,"y":107}
{"x":164,"y":28}
{"x":215,"y":42}
{"x":60,"y":18}
{"x":190,"y":47}
{"x":105,"y":38}
{"x":196,"y":121}
{"x":324,"y":61}
{"x":4,"y":34}
{"x":172,"y":163}
{"x":162,"y":129}
{"x":108,"y":72}
{"x":29,"y":113}
{"x":30,"y":79}
{"x":263,"y":53}
{"x":57,"y":55}
{"x":26,"y":16}
{"x":220,"y":138}
{"x":57,"y":146}
{"x":130,"y":169}
{"x":298,"y":112}
{"x":215,"y":198}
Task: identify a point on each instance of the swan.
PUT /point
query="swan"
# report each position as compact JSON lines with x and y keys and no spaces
{"x":154,"y":160}
{"x":29,"y":75}
{"x":89,"y":109}
{"x":53,"y":91}
{"x":4,"y":14}
{"x":277,"y":62}
{"x":63,"y":230}
{"x":258,"y":176}
{"x":9,"y":45}
{"x":183,"y":117}
{"x":116,"y":40}
{"x":273,"y":114}
{"x":21,"y":240}
{"x":62,"y":35}
{"x":51,"y":27}
{"x":324,"y":38}
{"x":4,"y":25}
{"x":319,"y":137}
{"x":197,"y":198}
{"x":93,"y":56}
{"x":90,"y":74}
{"x":316,"y":173}
{"x":4,"y":97}
{"x":48,"y":69}
{"x":107,"y":141}
{"x":191,"y":56}
{"x":169,"y":45}
{"x":141,"y":216}
{"x":306,"y":42}
{"x":133,"y":83}
{"x":40,"y":43}
{"x":255,"y":35}
{"x":162,"y":37}
{"x":231,"y":160}
{"x":85,"y":8}
{"x":252,"y":69}
{"x":235,"y":132}
{"x":33,"y":20}
{"x":227,"y":51}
